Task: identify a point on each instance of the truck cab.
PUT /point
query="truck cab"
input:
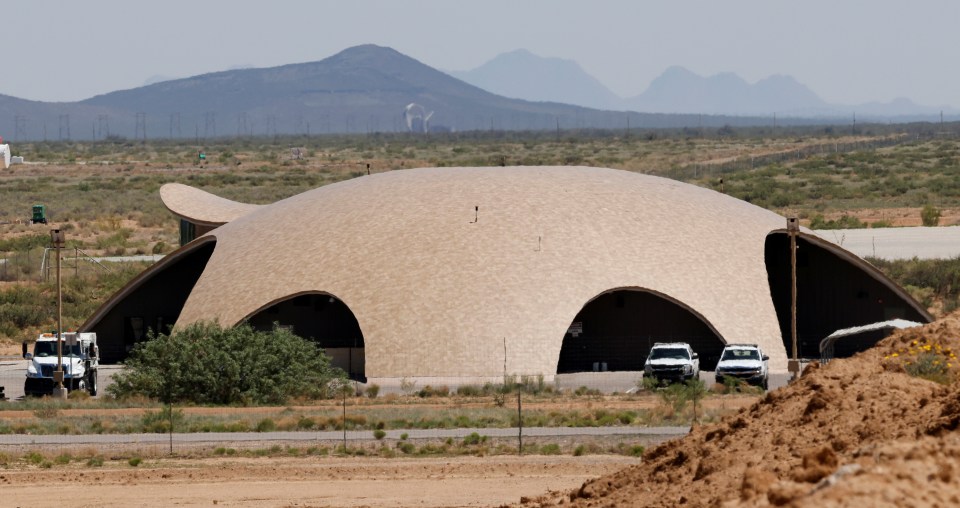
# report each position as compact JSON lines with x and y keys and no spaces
{"x":81,"y":360}
{"x":39,"y":214}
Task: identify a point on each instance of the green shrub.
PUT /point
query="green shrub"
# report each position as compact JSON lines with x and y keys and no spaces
{"x":474,"y":439}
{"x":159,"y":421}
{"x":379,"y":434}
{"x":429,"y":391}
{"x":930,"y":215}
{"x":373,"y":390}
{"x":469,"y":391}
{"x":930,"y":366}
{"x":844,"y":222}
{"x":24,"y":243}
{"x":207,"y":364}
{"x":550,"y":449}
{"x":648,"y":383}
{"x":266,"y":425}
{"x":134,"y":461}
{"x":95,"y":461}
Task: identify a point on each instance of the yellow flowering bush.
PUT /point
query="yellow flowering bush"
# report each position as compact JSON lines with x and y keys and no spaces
{"x":927,"y":359}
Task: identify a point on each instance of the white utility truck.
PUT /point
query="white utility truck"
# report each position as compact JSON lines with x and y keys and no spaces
{"x":81,"y":358}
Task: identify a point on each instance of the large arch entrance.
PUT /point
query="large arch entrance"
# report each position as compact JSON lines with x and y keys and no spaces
{"x":615,"y":330}
{"x":324,"y":319}
{"x":835,"y":290}
{"x":151,"y":302}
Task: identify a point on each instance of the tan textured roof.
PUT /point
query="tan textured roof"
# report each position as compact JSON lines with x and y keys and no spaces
{"x":436,"y":291}
{"x":201,"y":207}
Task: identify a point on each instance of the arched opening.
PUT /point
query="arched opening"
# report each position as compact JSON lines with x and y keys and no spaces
{"x":152,"y":301}
{"x":615,"y":331}
{"x":322,"y":318}
{"x":835,"y":290}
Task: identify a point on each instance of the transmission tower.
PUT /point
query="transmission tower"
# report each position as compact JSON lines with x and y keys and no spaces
{"x":103,"y":126}
{"x":209,"y":124}
{"x":271,"y":127}
{"x":64,"y":130}
{"x":140,"y":131}
{"x":19,"y":128}
{"x":175,"y":125}
{"x":242,"y":124}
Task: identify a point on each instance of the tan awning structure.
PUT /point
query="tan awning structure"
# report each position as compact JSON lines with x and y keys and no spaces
{"x":826,"y":345}
{"x":201,"y":207}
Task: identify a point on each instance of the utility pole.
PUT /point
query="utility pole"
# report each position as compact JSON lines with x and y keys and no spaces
{"x":793,"y":229}
{"x":59,"y":392}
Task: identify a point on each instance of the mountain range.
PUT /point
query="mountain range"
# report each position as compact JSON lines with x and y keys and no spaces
{"x":370,"y":89}
{"x":524,"y":75}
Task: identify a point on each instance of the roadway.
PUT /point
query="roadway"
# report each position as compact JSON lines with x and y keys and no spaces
{"x":897,"y":243}
{"x":13,"y":371}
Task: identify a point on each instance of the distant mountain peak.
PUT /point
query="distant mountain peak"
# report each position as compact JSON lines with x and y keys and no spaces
{"x":524,"y":75}
{"x":679,"y":90}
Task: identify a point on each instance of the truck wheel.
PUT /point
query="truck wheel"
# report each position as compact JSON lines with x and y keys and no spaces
{"x":92,"y":386}
{"x":766,"y":384}
{"x":29,"y":388}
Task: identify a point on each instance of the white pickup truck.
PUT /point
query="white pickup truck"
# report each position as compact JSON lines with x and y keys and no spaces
{"x":745,"y":362}
{"x":672,"y":362}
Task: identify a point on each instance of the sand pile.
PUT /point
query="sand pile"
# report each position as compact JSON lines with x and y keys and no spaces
{"x":872,"y":430}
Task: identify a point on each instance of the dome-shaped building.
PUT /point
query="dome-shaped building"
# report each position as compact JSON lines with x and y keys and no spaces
{"x":459,"y":275}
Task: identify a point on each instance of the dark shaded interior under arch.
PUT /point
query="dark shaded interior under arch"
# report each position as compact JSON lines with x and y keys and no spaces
{"x":154,"y":305}
{"x":618,"y":328}
{"x":832,"y":293}
{"x":324,"y":319}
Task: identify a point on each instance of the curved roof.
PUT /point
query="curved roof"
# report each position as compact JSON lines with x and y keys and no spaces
{"x":201,"y":207}
{"x":440,"y":265}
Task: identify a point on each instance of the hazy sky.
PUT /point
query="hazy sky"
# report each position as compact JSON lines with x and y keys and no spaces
{"x":846,"y":51}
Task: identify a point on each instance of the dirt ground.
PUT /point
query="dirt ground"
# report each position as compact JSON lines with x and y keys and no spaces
{"x":864,"y":431}
{"x":726,"y":402}
{"x":305,"y":482}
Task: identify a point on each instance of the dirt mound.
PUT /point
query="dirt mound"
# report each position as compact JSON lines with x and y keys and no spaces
{"x":873,"y":430}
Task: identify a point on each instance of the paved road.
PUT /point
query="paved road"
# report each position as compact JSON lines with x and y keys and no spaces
{"x":897,"y":243}
{"x":13,"y":371}
{"x":626,"y":382}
